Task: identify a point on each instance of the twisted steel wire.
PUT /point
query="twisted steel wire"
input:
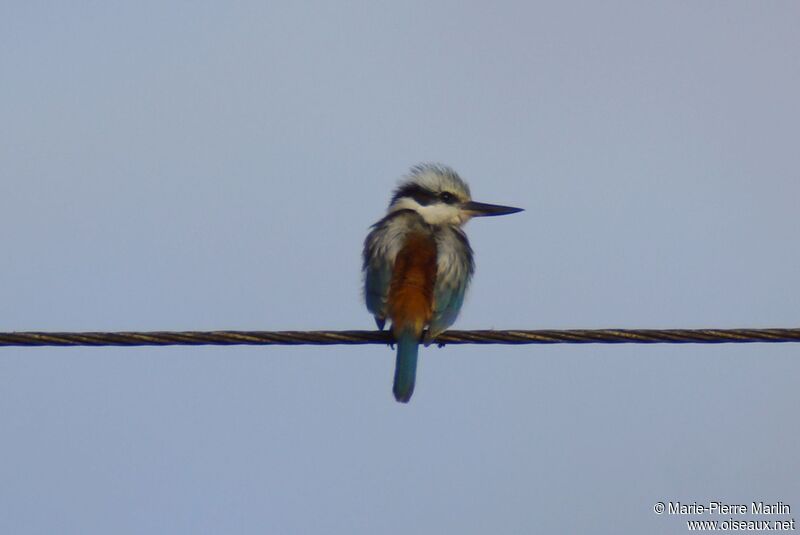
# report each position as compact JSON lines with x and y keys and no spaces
{"x":570,"y":336}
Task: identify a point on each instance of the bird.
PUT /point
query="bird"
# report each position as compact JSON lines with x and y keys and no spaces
{"x":417,"y":262}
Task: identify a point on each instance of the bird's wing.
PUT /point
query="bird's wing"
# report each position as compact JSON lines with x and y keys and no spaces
{"x":447,"y":299}
{"x":378,"y":276}
{"x":380,"y":250}
{"x":455,"y":267}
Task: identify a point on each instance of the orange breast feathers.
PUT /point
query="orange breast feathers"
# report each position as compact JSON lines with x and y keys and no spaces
{"x":410,"y":300}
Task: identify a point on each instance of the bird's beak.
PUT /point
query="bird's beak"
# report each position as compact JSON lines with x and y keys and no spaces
{"x":479,"y":209}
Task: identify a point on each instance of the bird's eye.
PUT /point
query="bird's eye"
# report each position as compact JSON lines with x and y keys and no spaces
{"x":447,"y":197}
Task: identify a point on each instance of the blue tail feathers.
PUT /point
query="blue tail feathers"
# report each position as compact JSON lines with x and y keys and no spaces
{"x":405,"y":370}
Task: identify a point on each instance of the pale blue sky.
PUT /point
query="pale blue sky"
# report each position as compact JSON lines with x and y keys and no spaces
{"x":207,"y":165}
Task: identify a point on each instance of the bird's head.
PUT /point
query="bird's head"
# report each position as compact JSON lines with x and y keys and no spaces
{"x":441,"y":197}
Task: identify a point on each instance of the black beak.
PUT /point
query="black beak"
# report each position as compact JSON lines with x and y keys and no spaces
{"x":479,"y":209}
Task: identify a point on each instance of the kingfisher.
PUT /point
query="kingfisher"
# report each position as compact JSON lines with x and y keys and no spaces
{"x":418,"y":262}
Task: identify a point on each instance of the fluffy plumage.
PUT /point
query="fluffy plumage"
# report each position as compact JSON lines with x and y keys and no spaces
{"x":418,"y":262}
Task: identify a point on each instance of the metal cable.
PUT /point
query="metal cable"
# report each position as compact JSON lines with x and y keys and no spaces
{"x":572,"y":336}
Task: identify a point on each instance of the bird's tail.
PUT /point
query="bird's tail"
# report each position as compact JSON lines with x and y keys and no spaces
{"x":405,"y":370}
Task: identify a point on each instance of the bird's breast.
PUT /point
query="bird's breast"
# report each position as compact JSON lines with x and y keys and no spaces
{"x":410,"y":299}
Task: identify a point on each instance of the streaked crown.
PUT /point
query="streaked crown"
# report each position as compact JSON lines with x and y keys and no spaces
{"x":429,"y":183}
